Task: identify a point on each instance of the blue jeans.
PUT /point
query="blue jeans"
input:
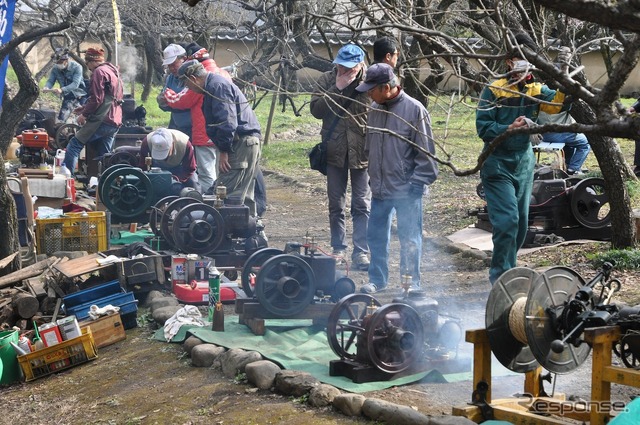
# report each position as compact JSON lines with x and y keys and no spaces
{"x":507,"y":178}
{"x":409,"y":217}
{"x":576,"y":148}
{"x":102,"y":142}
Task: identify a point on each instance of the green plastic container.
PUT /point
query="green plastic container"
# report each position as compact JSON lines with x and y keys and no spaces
{"x":9,"y":367}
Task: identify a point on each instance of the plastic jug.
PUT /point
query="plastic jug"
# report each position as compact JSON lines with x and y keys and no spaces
{"x":59,"y":157}
{"x":64,"y":171}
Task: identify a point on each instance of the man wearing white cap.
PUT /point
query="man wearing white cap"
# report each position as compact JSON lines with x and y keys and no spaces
{"x":173,"y":56}
{"x":171,"y":151}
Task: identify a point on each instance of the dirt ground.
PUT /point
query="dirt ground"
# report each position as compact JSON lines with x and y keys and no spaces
{"x":140,"y":381}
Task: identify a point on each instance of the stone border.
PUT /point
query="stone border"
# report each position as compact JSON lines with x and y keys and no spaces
{"x":265,"y":375}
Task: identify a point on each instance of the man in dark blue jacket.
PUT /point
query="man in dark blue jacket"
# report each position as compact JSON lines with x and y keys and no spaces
{"x":232,"y":126}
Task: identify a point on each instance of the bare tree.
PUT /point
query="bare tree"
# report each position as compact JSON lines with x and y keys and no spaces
{"x":15,"y":105}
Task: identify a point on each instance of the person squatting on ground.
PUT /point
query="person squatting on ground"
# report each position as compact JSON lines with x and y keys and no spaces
{"x":342,"y":111}
{"x":173,"y":56}
{"x":398,"y":136}
{"x":190,"y":100}
{"x":72,"y":90}
{"x":101,"y":116}
{"x":232,"y":126}
{"x":171,"y":151}
{"x":507,"y":173}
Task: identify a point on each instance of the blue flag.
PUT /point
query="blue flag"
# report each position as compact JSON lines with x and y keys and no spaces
{"x":7,"y":7}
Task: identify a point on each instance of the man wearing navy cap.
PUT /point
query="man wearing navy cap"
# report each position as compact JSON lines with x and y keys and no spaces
{"x":398,"y":135}
{"x":68,"y":74}
{"x":342,"y":111}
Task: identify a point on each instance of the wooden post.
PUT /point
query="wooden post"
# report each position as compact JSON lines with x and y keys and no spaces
{"x":481,"y":358}
{"x":274,"y":99}
{"x":601,"y":340}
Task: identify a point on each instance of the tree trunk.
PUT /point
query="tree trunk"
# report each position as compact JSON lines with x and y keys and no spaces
{"x":12,"y":113}
{"x":616,"y":173}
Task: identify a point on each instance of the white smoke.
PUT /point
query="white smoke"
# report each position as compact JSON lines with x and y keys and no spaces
{"x":129,"y":62}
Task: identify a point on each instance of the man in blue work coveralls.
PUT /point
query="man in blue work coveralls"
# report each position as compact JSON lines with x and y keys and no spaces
{"x":507,"y":174}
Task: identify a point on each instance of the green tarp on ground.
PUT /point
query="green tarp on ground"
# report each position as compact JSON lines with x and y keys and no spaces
{"x":295,"y":345}
{"x":126,"y":238}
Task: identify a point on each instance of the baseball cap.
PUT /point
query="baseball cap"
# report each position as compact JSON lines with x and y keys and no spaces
{"x":171,"y":53}
{"x":189,"y":68}
{"x":196,"y":51}
{"x":378,"y":73}
{"x":61,"y":54}
{"x":349,"y":56}
{"x":160,"y":142}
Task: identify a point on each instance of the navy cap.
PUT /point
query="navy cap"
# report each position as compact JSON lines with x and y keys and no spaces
{"x":189,"y":69}
{"x":378,"y":73}
{"x":349,"y":56}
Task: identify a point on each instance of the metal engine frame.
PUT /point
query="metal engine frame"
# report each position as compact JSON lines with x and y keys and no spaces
{"x":567,"y":206}
{"x":221,"y":229}
{"x":383,"y":342}
{"x":286,"y":282}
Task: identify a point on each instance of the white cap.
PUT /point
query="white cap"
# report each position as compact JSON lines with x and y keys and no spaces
{"x":160,"y":142}
{"x":171,"y":53}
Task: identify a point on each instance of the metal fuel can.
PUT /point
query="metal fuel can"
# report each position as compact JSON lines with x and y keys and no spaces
{"x":214,"y":289}
{"x":178,"y":270}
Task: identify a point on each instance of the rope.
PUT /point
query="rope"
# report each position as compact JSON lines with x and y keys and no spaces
{"x":516,"y":320}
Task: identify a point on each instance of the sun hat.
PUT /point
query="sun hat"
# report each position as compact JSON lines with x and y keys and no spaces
{"x":171,"y":53}
{"x":378,"y":73}
{"x":349,"y":56}
{"x":160,"y":142}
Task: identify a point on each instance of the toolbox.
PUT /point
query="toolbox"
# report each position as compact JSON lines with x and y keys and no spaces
{"x":110,"y":293}
{"x":106,"y":330}
{"x":141,"y":274}
{"x":59,"y":357}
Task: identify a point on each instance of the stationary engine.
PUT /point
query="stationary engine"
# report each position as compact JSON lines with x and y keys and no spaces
{"x":286,"y":282}
{"x":34,"y":149}
{"x":569,"y":207}
{"x":382,"y":342}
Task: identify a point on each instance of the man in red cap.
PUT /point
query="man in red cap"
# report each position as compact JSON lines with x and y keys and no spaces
{"x":101,"y":116}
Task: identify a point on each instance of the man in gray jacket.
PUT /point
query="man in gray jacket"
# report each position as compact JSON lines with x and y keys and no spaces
{"x":397,"y":138}
{"x":342,"y":111}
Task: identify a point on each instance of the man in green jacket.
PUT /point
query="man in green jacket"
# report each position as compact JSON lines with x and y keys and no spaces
{"x":507,"y":174}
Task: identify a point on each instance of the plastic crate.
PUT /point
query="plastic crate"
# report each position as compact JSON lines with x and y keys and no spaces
{"x":73,"y":232}
{"x":61,"y":356}
{"x":93,"y":293}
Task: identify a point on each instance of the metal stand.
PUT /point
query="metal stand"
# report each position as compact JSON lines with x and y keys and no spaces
{"x":529,"y":410}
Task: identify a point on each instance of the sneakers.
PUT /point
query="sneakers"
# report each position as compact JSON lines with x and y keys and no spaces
{"x":340,"y":256}
{"x":361,"y":261}
{"x":371,"y":288}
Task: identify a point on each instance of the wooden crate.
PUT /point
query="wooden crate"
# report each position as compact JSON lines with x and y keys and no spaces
{"x":106,"y":330}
